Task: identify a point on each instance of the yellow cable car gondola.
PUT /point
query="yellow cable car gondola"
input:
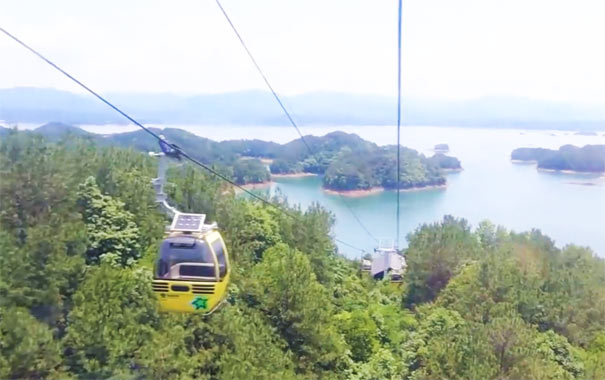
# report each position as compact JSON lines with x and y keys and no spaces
{"x":192,"y":270}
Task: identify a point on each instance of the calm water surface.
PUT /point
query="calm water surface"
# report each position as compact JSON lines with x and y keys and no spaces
{"x":518,"y":197}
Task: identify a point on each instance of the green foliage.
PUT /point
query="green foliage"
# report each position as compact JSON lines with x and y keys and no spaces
{"x":594,"y":358}
{"x":298,"y":306}
{"x":250,"y":171}
{"x":252,"y":230}
{"x":444,"y":162}
{"x":251,"y":349}
{"x":281,"y":166}
{"x":42,"y":274}
{"x":165,"y":354}
{"x":488,"y":304}
{"x":435,"y":254}
{"x":27,"y":347}
{"x":32,"y":184}
{"x":360,"y":333}
{"x":383,"y":365}
{"x":113,"y":316}
{"x":112,"y":232}
{"x":586,"y":159}
{"x":352,"y":169}
{"x":556,"y":348}
{"x":190,"y":190}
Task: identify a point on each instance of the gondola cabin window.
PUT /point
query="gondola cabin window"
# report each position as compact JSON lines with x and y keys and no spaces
{"x":218,"y":248}
{"x":184,"y":258}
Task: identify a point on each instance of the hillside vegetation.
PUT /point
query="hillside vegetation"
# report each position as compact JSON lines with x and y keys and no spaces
{"x":348,"y":161}
{"x":79,"y":232}
{"x":352,"y":170}
{"x":590,"y":158}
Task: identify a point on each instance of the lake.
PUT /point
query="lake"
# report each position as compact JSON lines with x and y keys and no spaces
{"x":516,"y":196}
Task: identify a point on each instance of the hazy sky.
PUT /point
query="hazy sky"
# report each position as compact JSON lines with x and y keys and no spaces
{"x":547,"y":49}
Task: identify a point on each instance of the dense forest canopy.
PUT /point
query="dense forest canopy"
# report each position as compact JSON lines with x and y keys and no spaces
{"x":79,"y":232}
{"x":590,"y":158}
{"x":351,"y":170}
{"x":442,"y":161}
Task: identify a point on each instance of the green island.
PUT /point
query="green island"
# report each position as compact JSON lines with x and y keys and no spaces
{"x":79,"y":231}
{"x":349,"y":163}
{"x":587,"y":159}
{"x":356,"y":170}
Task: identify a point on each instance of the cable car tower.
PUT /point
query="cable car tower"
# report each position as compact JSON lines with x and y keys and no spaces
{"x":192,"y":269}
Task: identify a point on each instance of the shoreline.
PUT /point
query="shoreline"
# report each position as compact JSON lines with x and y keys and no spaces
{"x":422,"y":188}
{"x":567,"y":171}
{"x":583,"y":183}
{"x":293,"y":175}
{"x":378,"y":190}
{"x":253,"y":186}
{"x":355,"y":193}
{"x":453,"y":170}
{"x":556,"y":171}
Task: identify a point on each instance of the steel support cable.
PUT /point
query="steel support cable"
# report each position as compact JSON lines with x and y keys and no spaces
{"x":349,"y":245}
{"x":281,"y":104}
{"x":155,"y":135}
{"x":398,"y":118}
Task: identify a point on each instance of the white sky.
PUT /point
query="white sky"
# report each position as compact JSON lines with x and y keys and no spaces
{"x":547,"y":49}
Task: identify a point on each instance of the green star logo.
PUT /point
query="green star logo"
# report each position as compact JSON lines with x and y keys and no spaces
{"x":200,"y":303}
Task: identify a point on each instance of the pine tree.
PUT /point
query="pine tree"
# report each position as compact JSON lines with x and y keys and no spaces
{"x":112,"y":233}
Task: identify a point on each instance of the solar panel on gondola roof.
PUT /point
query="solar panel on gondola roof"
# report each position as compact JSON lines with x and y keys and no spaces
{"x":188,"y":222}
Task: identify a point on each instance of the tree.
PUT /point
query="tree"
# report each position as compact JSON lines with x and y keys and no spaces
{"x":382,"y":365}
{"x":33,"y":186}
{"x":360,"y":333}
{"x":250,"y":349}
{"x":114,"y":315}
{"x":166,"y":355}
{"x":595,"y":358}
{"x":282,"y":166}
{"x":27,"y":347}
{"x":435,"y":254}
{"x":491,"y":304}
{"x":112,"y":232}
{"x":299,"y":308}
{"x":250,"y":230}
{"x":43,"y":274}
{"x":250,"y":171}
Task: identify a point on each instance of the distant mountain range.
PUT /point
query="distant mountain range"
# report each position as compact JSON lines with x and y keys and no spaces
{"x":255,"y":107}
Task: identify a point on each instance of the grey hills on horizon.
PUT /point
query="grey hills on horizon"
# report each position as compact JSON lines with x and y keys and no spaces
{"x":258,"y":107}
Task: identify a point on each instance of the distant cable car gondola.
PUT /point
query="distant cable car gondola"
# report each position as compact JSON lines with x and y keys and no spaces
{"x":192,"y":270}
{"x":366,"y":265}
{"x":387,"y":261}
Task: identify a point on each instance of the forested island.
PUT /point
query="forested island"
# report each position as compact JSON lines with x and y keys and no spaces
{"x":79,"y":230}
{"x":349,"y":163}
{"x":346,"y":161}
{"x":587,"y":159}
{"x":377,"y":168}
